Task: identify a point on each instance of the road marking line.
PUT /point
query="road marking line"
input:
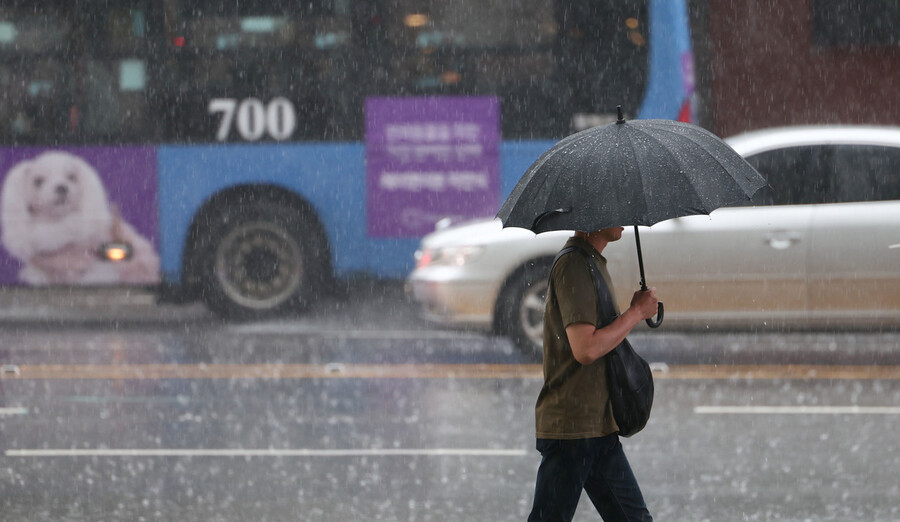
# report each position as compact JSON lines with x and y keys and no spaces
{"x":798,"y":410}
{"x":14,"y":411}
{"x":776,"y":371}
{"x":301,"y":329}
{"x":374,"y":452}
{"x":105,"y":399}
{"x":428,"y":371}
{"x":278,"y":371}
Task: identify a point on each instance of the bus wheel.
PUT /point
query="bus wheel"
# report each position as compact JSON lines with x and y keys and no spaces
{"x":260,"y":263}
{"x":520,"y":308}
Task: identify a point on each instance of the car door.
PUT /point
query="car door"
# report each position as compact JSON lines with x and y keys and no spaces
{"x":854,"y":265}
{"x":737,"y":266}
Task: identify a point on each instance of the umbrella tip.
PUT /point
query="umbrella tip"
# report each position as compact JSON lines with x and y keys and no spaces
{"x":621,"y":117}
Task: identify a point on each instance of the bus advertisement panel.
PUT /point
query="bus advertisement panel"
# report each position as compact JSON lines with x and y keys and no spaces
{"x":429,"y":159}
{"x":59,"y":207}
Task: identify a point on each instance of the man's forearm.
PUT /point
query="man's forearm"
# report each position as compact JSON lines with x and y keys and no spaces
{"x":590,"y":343}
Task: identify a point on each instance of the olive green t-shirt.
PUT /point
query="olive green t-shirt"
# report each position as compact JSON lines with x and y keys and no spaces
{"x":574,"y":401}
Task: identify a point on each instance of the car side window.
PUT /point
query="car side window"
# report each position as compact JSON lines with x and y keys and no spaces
{"x":865,"y":173}
{"x":796,"y":175}
{"x":828,"y":174}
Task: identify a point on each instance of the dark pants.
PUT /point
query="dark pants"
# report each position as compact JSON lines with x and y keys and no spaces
{"x":598,"y":466}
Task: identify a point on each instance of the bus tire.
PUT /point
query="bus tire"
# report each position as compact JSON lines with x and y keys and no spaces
{"x":263,"y":259}
{"x":520,"y":308}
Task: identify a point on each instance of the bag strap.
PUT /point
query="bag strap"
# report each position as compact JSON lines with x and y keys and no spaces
{"x":605,"y":308}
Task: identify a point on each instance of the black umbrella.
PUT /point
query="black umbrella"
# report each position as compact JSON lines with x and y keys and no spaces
{"x":638,"y":172}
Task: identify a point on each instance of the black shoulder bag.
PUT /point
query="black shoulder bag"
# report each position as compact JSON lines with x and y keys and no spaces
{"x":628,"y":375}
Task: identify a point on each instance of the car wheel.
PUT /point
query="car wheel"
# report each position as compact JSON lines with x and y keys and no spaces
{"x":521,"y":308}
{"x":262,"y":261}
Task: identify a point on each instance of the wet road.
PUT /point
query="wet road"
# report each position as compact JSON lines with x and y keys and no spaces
{"x":358,"y":411}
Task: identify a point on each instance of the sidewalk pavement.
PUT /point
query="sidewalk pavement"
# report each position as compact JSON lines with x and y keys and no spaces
{"x":91,"y":305}
{"x":378,"y":303}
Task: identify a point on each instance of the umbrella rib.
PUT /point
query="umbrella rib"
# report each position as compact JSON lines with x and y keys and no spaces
{"x":534,"y":190}
{"x":560,"y":146}
{"x":720,"y":167}
{"x":640,"y":177}
{"x":681,"y":166}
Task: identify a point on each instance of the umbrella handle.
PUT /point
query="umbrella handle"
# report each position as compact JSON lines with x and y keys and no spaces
{"x":659,"y":317}
{"x":637,"y":240}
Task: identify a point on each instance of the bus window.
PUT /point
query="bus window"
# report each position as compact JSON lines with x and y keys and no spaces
{"x":116,"y":66}
{"x":547,"y":61}
{"x":473,"y":47}
{"x":36,"y":73}
{"x":603,"y":57}
{"x":74,"y":74}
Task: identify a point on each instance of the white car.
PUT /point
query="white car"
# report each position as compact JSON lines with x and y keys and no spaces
{"x":820,"y":248}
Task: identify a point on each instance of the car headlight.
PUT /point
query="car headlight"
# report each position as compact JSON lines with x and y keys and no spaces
{"x":448,"y":256}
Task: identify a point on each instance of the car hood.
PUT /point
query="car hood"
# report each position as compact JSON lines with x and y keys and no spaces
{"x":482,"y":231}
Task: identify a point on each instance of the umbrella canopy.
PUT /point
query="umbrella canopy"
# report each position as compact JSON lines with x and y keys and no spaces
{"x":638,"y":172}
{"x":629,"y":173}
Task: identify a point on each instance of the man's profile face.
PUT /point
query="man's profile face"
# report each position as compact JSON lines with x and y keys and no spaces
{"x":609,"y":234}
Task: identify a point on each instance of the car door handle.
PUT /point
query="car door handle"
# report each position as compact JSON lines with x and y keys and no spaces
{"x":782,"y":240}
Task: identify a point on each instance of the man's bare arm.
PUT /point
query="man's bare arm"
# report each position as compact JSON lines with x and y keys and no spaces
{"x":590,"y":343}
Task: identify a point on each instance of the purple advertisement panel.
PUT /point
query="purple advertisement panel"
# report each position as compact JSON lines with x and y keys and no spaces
{"x":428,"y":158}
{"x":59,"y":207}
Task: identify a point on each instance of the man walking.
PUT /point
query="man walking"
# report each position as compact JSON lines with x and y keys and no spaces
{"x":576,"y":432}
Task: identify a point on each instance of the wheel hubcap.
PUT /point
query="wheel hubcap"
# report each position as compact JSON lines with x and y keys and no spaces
{"x":531,"y":313}
{"x":259,"y":265}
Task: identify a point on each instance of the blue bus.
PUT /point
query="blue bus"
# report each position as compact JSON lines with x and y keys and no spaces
{"x":248,"y":153}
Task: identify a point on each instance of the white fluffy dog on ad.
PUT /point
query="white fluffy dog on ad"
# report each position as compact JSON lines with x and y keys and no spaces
{"x":56,"y":217}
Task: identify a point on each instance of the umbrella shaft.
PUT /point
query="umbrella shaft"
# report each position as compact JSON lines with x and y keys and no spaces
{"x":637,"y":241}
